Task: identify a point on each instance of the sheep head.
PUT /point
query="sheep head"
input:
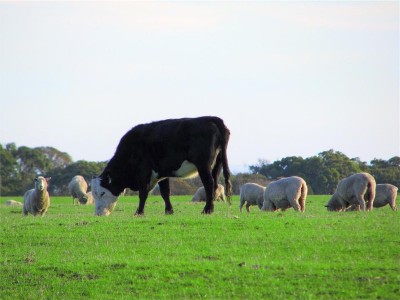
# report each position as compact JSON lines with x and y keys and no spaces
{"x":41,"y":183}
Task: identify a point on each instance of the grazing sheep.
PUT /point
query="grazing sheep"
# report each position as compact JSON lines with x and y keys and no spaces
{"x":253,"y":194}
{"x":77,"y":188}
{"x":385,"y":194}
{"x":285,"y":193}
{"x":200,"y":194}
{"x":352,"y":190}
{"x":37,"y":200}
{"x":13,"y":203}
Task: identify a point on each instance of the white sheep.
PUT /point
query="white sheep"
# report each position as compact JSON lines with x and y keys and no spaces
{"x":13,"y":203}
{"x":37,"y":200}
{"x":285,"y":193}
{"x":385,"y":194}
{"x":200,"y":194}
{"x":253,"y":194}
{"x":353,"y":190}
{"x":77,"y":189}
{"x":90,"y":199}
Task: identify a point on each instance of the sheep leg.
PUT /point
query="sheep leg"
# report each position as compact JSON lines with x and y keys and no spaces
{"x":248,"y":207}
{"x":165,"y":193}
{"x":361,"y":201}
{"x":241,"y":205}
{"x":302,"y":202}
{"x":295,"y":204}
{"x":392,"y":204}
{"x":208,"y":183}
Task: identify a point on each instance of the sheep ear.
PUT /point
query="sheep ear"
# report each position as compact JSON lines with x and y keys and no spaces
{"x":36,"y":179}
{"x":48,"y":179}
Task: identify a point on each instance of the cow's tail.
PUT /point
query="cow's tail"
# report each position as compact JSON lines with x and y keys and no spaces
{"x":225,"y":134}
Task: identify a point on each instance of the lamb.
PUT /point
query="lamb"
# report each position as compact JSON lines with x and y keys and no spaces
{"x":13,"y":203}
{"x":285,"y":193}
{"x":353,"y":190}
{"x":385,"y":194}
{"x":77,"y":188}
{"x":253,"y":194}
{"x":200,"y":194}
{"x":37,"y":200}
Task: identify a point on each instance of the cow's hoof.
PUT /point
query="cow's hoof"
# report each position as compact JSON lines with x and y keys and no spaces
{"x":139,"y":214}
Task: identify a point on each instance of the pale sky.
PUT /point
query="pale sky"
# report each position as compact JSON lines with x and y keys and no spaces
{"x":288,"y":78}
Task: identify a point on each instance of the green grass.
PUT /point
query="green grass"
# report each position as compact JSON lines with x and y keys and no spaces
{"x":71,"y":254}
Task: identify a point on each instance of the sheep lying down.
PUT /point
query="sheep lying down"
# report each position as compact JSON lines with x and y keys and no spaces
{"x":285,"y":193}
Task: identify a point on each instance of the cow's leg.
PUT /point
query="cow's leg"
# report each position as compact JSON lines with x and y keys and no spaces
{"x":165,"y":193}
{"x":216,"y":172}
{"x":143,"y":193}
{"x":208,"y":183}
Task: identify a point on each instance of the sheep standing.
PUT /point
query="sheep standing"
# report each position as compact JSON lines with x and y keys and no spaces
{"x":253,"y":194}
{"x":285,"y":193}
{"x":352,"y":190}
{"x":77,"y":188}
{"x":37,"y":200}
{"x":385,"y":194}
{"x":200,"y":194}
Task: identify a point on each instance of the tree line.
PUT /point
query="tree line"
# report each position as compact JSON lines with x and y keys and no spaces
{"x":20,"y":165}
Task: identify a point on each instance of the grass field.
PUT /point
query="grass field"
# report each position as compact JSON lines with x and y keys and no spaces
{"x":71,"y":254}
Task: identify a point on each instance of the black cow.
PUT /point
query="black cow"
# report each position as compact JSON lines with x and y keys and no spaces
{"x":151,"y":153}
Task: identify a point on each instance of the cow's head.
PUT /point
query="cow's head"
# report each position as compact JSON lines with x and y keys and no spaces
{"x":104,"y":200}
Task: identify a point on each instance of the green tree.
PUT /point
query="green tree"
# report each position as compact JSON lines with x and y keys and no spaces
{"x":386,"y":171}
{"x":9,"y":175}
{"x":57,"y":158}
